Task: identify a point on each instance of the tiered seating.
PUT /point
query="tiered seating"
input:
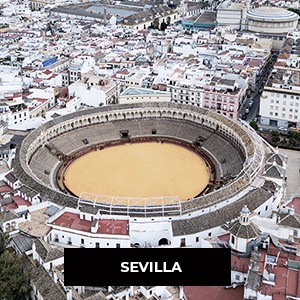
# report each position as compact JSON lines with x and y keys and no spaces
{"x":229,"y":157}
{"x":43,"y":163}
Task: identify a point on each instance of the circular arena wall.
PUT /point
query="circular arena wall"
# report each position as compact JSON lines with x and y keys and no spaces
{"x":272,"y":20}
{"x":232,"y":149}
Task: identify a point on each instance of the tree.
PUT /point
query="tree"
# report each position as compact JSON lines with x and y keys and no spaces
{"x":295,"y":10}
{"x":254,"y":125}
{"x":14,"y":284}
{"x":4,"y":241}
{"x":163,"y":26}
{"x":155,"y":23}
{"x":275,"y":136}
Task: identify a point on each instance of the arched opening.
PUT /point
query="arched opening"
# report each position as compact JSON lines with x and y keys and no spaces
{"x":163,"y":241}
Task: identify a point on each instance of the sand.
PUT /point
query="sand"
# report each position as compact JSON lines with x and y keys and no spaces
{"x":139,"y":170}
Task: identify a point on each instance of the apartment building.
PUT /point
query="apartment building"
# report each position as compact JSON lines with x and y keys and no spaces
{"x":279,"y":103}
{"x":224,"y":96}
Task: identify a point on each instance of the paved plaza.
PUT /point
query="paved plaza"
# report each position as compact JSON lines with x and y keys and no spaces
{"x":292,"y":172}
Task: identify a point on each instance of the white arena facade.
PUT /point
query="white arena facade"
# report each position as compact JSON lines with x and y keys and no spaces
{"x":241,"y":165}
{"x":271,"y":20}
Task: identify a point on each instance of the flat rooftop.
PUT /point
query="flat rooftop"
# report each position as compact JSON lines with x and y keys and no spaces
{"x":205,"y":17}
{"x":105,"y":226}
{"x":140,"y":91}
{"x":37,"y":225}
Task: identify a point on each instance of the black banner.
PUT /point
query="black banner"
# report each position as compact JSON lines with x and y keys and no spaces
{"x":158,"y":266}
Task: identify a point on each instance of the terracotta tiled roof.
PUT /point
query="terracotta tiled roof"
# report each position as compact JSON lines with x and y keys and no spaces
{"x":289,"y":220}
{"x":244,"y":231}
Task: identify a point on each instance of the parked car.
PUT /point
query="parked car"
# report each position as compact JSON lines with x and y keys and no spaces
{"x":283,"y":129}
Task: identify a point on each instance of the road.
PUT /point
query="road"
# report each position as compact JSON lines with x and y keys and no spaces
{"x":255,"y":96}
{"x":254,"y":110}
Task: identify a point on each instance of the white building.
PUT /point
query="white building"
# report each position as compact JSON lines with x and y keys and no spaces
{"x":95,"y":90}
{"x":87,"y":230}
{"x":280,"y":100}
{"x":134,"y":95}
{"x":19,"y":113}
{"x":230,"y":14}
{"x":10,"y":81}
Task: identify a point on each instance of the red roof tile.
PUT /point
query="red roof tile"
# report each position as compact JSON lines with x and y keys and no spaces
{"x":72,"y":220}
{"x":113,"y":227}
{"x":46,"y":72}
{"x":5,"y":188}
{"x":239,"y":264}
{"x":9,"y":206}
{"x":296,"y":203}
{"x":21,"y":201}
{"x":213,"y":293}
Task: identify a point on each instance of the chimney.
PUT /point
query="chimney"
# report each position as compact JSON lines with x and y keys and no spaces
{"x":69,"y":294}
{"x":95,"y":226}
{"x":55,"y":278}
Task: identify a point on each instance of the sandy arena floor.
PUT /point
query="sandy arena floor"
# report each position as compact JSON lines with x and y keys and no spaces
{"x":139,"y":170}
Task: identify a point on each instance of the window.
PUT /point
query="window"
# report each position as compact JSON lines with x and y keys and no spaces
{"x":284,"y":102}
{"x":82,"y":241}
{"x":232,"y":239}
{"x":118,"y":245}
{"x":266,"y":208}
{"x":182,"y":242}
{"x":197,"y":239}
{"x":237,"y":277}
{"x":295,"y":233}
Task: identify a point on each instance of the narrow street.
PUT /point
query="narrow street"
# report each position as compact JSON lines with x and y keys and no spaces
{"x":255,"y":96}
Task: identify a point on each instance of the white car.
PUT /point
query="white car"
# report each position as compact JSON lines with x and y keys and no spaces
{"x":283,"y":129}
